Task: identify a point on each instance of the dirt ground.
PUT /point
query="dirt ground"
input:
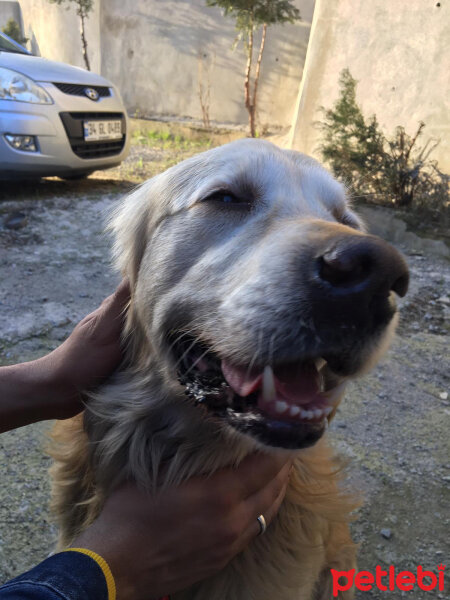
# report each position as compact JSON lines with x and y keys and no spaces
{"x":393,"y":425}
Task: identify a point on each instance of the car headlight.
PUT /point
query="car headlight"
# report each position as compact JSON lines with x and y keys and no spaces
{"x":18,"y":87}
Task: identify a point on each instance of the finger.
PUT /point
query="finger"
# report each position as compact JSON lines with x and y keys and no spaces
{"x":117,"y":301}
{"x":123,"y":290}
{"x":269,"y":510}
{"x":263,"y":501}
{"x":106,"y":322}
{"x":256,"y":471}
{"x":114,"y":303}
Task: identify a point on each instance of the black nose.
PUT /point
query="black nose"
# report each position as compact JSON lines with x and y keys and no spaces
{"x":363,"y":266}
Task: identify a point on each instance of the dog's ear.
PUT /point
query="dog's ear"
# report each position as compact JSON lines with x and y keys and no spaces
{"x":131,"y":224}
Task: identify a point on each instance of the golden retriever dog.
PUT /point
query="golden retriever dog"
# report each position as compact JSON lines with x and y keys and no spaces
{"x":256,"y":296}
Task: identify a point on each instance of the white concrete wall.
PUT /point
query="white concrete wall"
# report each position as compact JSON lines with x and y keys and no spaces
{"x":153,"y":50}
{"x":399,"y":53}
{"x":10,"y":9}
{"x":54,"y":32}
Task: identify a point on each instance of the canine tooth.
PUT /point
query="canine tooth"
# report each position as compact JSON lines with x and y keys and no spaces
{"x":335,"y":393}
{"x":321,"y":382}
{"x":318,"y":413}
{"x":320,"y":363}
{"x":294,"y":411}
{"x":327,"y":410}
{"x":268,"y":387}
{"x":280,"y":406}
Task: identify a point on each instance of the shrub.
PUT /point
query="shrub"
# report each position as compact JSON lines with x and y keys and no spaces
{"x":12,"y":29}
{"x":390,"y":171}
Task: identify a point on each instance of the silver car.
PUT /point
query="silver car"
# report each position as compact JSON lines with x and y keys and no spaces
{"x":56,"y":119}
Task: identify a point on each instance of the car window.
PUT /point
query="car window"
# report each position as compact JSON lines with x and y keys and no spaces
{"x":7,"y":45}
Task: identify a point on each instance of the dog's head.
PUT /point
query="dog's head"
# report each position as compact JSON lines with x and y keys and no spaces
{"x":256,"y":288}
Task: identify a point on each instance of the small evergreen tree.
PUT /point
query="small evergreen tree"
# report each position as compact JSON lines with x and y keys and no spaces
{"x":350,"y":145}
{"x":390,"y":171}
{"x":250,"y":16}
{"x":83,"y":8}
{"x":12,"y":29}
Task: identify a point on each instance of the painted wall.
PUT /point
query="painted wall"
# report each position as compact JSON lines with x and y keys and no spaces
{"x":10,"y":10}
{"x":54,"y":32}
{"x":167,"y":47}
{"x":157,"y":52}
{"x":399,"y":53}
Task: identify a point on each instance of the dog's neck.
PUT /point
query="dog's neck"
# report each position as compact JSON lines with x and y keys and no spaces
{"x":159,"y":437}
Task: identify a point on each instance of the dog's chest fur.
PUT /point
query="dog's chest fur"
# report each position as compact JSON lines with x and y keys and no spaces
{"x":292,"y":560}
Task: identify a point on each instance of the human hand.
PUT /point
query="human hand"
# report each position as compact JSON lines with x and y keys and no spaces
{"x":89,"y":354}
{"x":157,"y":545}
{"x":49,"y":387}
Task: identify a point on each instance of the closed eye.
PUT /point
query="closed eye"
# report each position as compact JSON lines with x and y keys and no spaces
{"x":226,"y":198}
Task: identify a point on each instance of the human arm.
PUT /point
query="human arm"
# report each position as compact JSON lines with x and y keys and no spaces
{"x":50,"y":387}
{"x":165,"y":543}
{"x":158,"y":545}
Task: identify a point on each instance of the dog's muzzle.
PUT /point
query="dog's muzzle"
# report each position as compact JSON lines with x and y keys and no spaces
{"x":349,"y":282}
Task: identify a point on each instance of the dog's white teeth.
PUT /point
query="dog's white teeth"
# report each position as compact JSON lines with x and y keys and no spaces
{"x":320,"y":363}
{"x":281,"y":406}
{"x":321,"y":382}
{"x":268,"y":387}
{"x":327,"y":410}
{"x":294,"y":411}
{"x":318,"y":413}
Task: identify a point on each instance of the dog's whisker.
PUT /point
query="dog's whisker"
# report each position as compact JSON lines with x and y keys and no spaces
{"x":177,"y":340}
{"x":194,"y":364}
{"x":186,"y":352}
{"x":271,"y":344}
{"x":255,"y":354}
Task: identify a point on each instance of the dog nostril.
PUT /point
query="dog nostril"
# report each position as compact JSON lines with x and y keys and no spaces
{"x":400,"y":285}
{"x":344,"y":268}
{"x":367,"y":265}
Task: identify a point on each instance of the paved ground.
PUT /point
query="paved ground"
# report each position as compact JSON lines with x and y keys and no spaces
{"x":393,"y":425}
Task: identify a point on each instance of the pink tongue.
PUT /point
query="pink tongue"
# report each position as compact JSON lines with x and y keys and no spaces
{"x":295,"y":383}
{"x":240,"y":379}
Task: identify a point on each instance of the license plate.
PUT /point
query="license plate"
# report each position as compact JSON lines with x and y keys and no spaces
{"x":102,"y":130}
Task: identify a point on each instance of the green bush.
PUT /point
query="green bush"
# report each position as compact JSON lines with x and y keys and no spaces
{"x":12,"y":29}
{"x":390,"y":171}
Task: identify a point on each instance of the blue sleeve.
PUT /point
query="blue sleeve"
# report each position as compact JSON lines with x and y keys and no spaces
{"x":64,"y":576}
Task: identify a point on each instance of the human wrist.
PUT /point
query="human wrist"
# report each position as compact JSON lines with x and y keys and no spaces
{"x":104,"y":554}
{"x":104,"y":566}
{"x":54,"y":383}
{"x":32,"y":392}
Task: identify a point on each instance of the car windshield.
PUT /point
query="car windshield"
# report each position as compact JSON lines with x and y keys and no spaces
{"x":9,"y":45}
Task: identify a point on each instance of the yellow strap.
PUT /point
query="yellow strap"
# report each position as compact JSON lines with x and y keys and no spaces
{"x":110,"y":583}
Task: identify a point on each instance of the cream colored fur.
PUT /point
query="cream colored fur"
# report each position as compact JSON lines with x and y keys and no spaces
{"x":140,"y":417}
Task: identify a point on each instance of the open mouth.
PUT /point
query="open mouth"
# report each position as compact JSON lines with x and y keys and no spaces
{"x":281,"y":404}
